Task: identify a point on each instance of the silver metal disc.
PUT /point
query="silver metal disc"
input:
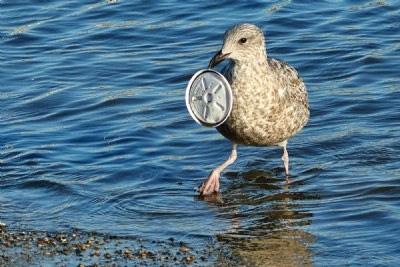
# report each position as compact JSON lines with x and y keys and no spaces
{"x":209,"y":98}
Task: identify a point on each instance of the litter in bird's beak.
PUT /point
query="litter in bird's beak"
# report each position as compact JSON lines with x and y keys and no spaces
{"x":209,"y":98}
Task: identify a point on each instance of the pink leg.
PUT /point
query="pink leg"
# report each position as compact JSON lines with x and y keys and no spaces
{"x":211,"y":185}
{"x":285,"y":159}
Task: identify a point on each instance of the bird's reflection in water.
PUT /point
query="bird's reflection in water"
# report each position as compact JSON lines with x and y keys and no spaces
{"x":268,"y":220}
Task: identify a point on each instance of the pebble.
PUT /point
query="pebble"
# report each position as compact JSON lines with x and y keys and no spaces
{"x":96,"y":253}
{"x":183,"y":249}
{"x":190,"y":259}
{"x":83,"y":246}
{"x":142,"y":254}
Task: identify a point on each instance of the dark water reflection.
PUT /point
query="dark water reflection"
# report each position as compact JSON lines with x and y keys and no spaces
{"x":268,"y":218}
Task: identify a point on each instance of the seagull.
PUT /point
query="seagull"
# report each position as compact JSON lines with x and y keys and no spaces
{"x":270,"y":102}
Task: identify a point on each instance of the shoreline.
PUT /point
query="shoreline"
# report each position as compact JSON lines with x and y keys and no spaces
{"x":27,"y":248}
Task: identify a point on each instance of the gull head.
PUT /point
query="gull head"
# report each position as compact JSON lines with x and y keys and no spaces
{"x":242,"y":42}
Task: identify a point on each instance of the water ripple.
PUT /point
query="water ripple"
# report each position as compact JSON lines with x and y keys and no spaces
{"x":95,"y":135}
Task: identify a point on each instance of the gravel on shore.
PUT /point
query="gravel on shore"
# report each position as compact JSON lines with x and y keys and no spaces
{"x":31,"y":248}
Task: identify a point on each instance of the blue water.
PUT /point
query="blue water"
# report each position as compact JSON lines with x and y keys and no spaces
{"x":95,"y":135}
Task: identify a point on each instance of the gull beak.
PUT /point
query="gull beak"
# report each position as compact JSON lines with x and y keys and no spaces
{"x":217,"y":59}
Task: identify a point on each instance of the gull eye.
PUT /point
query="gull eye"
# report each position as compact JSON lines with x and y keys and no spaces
{"x":243,"y":40}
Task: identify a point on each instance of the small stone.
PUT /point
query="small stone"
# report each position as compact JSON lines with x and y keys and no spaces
{"x":81,"y":265}
{"x":96,"y":253}
{"x":183,"y":250}
{"x":66,"y":251}
{"x":40,"y":242}
{"x":143,"y":254}
{"x":127,"y":251}
{"x":108,"y":256}
{"x":189,"y":259}
{"x":83,"y":246}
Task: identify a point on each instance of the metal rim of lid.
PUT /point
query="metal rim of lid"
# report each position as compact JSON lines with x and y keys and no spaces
{"x":227,"y":90}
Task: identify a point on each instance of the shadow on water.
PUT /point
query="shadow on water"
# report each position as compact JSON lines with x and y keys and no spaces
{"x":268,"y":219}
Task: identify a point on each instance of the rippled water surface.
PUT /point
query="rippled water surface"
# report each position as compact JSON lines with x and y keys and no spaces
{"x":95,"y":135}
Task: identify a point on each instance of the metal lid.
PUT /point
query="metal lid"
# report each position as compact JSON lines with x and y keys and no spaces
{"x":209,"y":98}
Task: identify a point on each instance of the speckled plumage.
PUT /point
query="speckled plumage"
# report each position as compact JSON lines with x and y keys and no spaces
{"x":270,"y":98}
{"x":270,"y":103}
